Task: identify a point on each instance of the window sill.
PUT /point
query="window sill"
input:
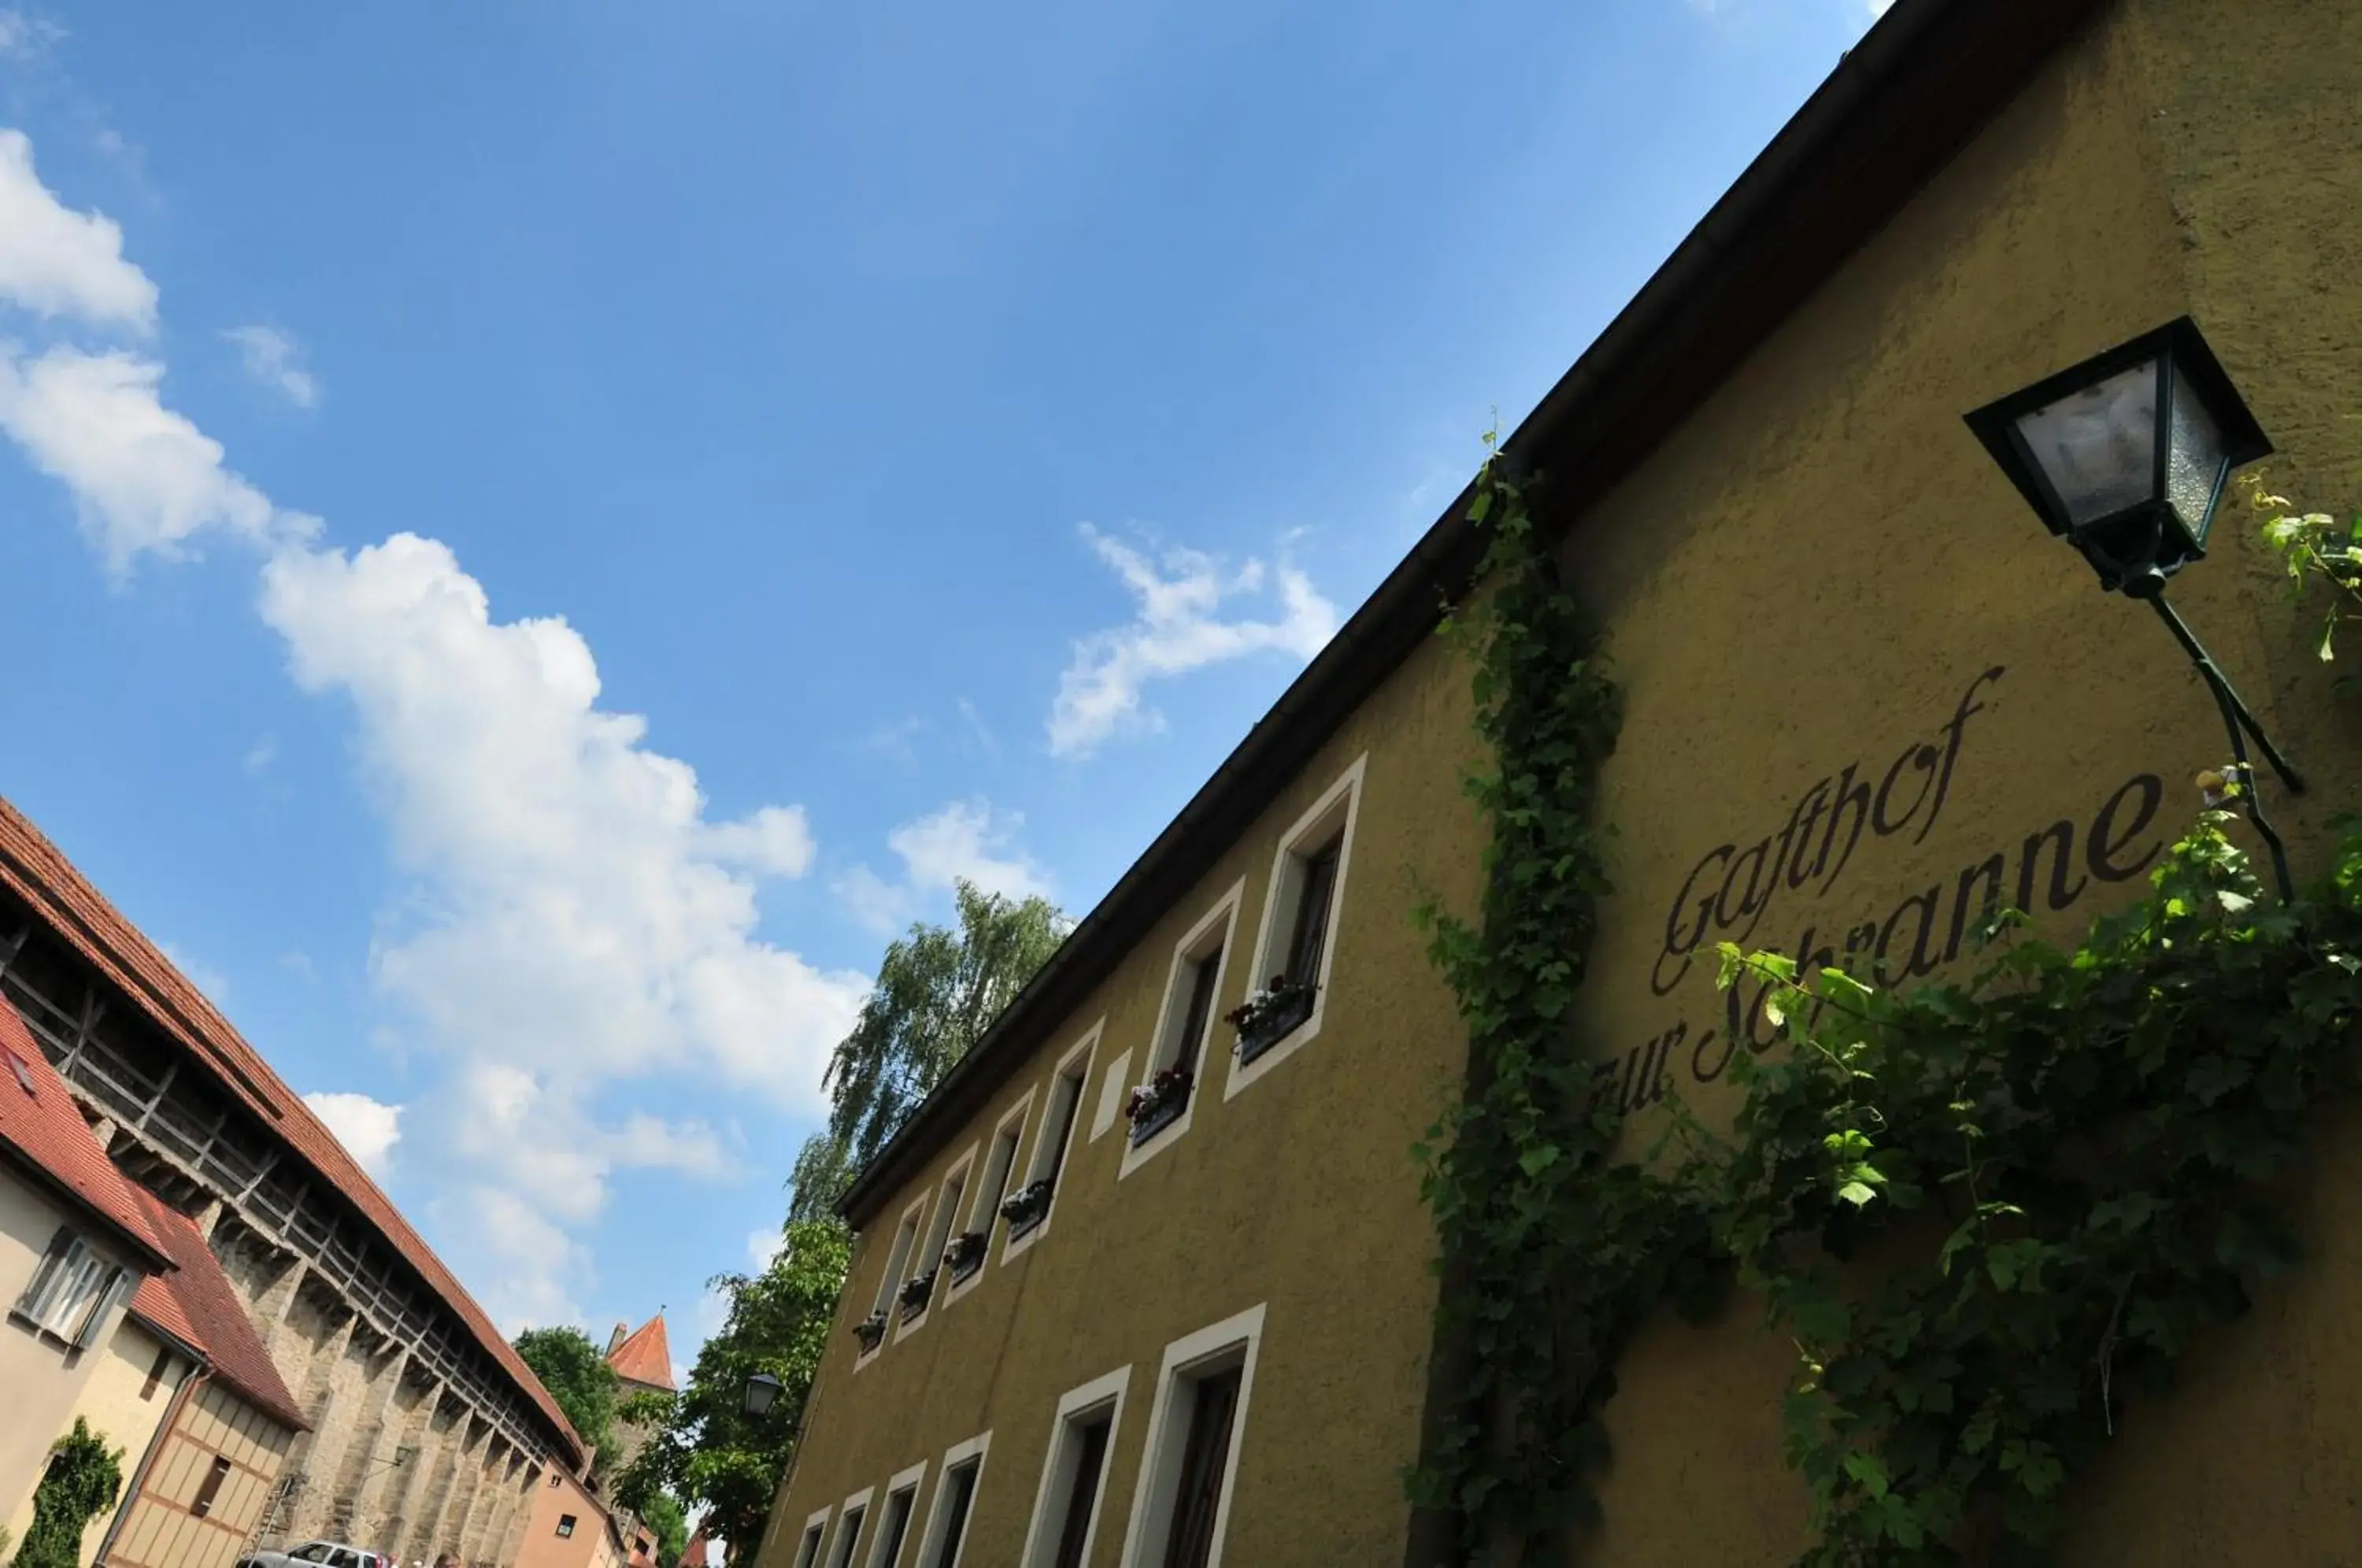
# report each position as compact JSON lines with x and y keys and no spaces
{"x":1159,"y":1117}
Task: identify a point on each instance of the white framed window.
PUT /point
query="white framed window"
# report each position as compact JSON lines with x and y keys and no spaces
{"x":889,"y":1283}
{"x":1165,"y":1101}
{"x":991,"y":1189}
{"x":956,"y":1483}
{"x":930,"y":1265}
{"x":894,"y":1516}
{"x":1075,"y":1472}
{"x":1038,"y":1197}
{"x":816,"y":1527}
{"x":1297,"y":946}
{"x":849,"y":1520}
{"x":1196,"y":1420}
{"x":74,"y":1289}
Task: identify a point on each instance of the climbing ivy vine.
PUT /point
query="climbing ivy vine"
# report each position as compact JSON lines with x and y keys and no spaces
{"x":1988,"y":1213}
{"x":1554,"y":1251}
{"x":84,"y":1476}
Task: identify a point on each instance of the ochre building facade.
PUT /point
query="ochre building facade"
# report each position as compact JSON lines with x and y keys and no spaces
{"x":1867,"y":695}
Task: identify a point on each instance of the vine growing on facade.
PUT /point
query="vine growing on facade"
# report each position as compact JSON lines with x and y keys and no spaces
{"x":82,"y":1477}
{"x":1554,"y":1250}
{"x":1989,"y":1213}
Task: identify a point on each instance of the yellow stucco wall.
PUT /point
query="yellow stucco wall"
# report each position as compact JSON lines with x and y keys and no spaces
{"x":1822,"y":570}
{"x":1298,"y":1193}
{"x":1825,"y":606}
{"x":43,"y":1380}
{"x":111,"y":1403}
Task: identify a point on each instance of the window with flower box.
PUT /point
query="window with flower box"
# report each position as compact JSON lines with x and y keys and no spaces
{"x":1028,"y":1208}
{"x":930,"y":1257}
{"x":1160,"y":1107}
{"x":965,"y":1253}
{"x":1295,"y":951}
{"x":871,"y":1330}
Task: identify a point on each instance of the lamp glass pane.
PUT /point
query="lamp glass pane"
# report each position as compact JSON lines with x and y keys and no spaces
{"x":2193,"y":460}
{"x":2097,"y":445}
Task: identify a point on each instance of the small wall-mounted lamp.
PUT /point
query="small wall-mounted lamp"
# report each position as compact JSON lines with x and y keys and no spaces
{"x":762,"y":1392}
{"x":2125,"y":456}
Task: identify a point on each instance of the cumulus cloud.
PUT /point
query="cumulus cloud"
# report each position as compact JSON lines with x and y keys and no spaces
{"x":965,"y":841}
{"x":368,"y":1129}
{"x":275,"y":360}
{"x":573,"y":917}
{"x":144,"y":478}
{"x":55,"y":262}
{"x":1179,"y":627}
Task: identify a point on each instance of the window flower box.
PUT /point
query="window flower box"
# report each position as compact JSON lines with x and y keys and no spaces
{"x":965,"y":1254}
{"x":916,"y":1291}
{"x":1026,"y":1208}
{"x":870,"y":1330}
{"x":1158,"y":1103}
{"x":1270,"y":1015}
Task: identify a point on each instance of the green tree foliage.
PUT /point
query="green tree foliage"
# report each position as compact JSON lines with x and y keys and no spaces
{"x":84,"y":1476}
{"x":664,"y":1516}
{"x":710,"y":1453}
{"x":938,"y":990}
{"x":576,"y":1372}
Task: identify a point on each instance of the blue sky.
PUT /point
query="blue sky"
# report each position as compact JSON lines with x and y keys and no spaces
{"x":539,"y":532}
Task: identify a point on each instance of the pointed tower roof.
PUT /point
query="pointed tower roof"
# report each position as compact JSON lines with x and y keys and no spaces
{"x":645,"y":1358}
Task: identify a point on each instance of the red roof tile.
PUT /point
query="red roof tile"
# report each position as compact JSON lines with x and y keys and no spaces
{"x":213,"y":1318}
{"x":693,"y":1554}
{"x":646,"y":1357}
{"x":34,"y":869}
{"x":42,"y":1126}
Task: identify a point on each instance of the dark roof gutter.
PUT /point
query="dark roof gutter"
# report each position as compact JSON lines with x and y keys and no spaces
{"x":1895,"y":111}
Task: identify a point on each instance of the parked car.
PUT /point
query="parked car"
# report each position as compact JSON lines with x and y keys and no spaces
{"x":317,"y":1554}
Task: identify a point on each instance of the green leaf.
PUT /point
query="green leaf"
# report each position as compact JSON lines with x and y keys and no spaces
{"x":1539,"y":1158}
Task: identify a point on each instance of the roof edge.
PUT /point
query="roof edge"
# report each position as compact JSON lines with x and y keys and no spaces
{"x":1935,"y":69}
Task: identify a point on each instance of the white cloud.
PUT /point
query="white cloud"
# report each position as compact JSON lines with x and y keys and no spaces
{"x":764,"y":1246}
{"x":275,"y":360}
{"x":1179,"y":628}
{"x":23,"y":36}
{"x":573,"y":918}
{"x":965,"y":841}
{"x":55,"y":262}
{"x":368,"y":1129}
{"x":144,"y":478}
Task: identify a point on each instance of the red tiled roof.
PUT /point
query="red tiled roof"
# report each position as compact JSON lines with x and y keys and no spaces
{"x":205,"y":1312}
{"x":34,"y":869}
{"x":693,"y":1554}
{"x":646,"y":1357}
{"x":41,"y":1123}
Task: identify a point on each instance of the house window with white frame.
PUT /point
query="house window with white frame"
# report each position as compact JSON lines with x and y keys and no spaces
{"x":1297,"y":947}
{"x":849,"y":1530}
{"x":947,"y":1207}
{"x":1029,"y":1207}
{"x":894,"y":1516}
{"x":73,"y":1290}
{"x":871,"y":1330}
{"x":962,"y":1469}
{"x":1000,"y":1162}
{"x":1181,"y":1506}
{"x":808,"y":1549}
{"x":1160,"y":1108}
{"x":1074,"y":1475}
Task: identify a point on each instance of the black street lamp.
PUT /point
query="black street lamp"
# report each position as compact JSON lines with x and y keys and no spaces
{"x":2125,"y":456}
{"x":762,"y":1392}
